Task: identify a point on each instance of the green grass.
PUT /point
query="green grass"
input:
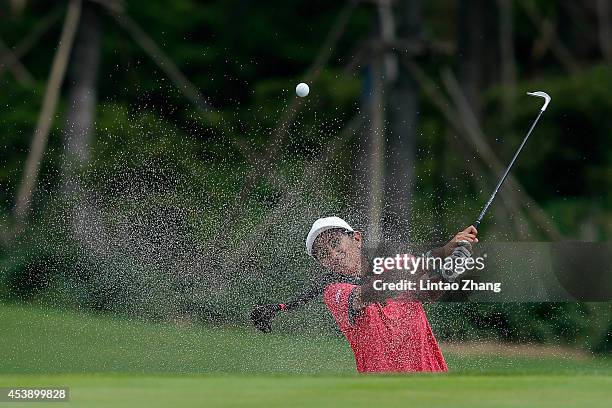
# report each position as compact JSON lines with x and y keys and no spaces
{"x":34,"y":340}
{"x":300,"y":391}
{"x":115,"y":362}
{"x":52,"y":341}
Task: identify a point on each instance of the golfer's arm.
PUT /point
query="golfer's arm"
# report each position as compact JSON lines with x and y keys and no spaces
{"x":438,"y":252}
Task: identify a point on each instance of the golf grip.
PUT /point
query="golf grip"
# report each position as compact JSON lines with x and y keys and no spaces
{"x":488,"y":204}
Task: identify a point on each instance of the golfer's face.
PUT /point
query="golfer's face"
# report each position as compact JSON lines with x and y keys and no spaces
{"x":339,"y":252}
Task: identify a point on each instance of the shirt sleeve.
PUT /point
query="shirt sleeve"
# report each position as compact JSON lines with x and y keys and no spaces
{"x":336,"y":297}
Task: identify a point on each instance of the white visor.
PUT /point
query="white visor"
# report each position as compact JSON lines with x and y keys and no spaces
{"x":321,"y":225}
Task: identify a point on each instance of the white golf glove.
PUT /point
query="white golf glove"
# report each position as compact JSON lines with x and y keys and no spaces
{"x":463,"y":250}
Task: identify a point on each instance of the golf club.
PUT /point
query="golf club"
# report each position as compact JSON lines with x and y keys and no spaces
{"x":501,"y":181}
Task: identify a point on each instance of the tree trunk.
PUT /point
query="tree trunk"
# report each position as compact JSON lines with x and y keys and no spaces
{"x":17,"y":6}
{"x":477,"y":46}
{"x":82,"y":97}
{"x":376,"y":153}
{"x":403,"y":112}
{"x":605,"y":28}
{"x":369,"y":168}
{"x":47,"y":113}
{"x":508,"y":63}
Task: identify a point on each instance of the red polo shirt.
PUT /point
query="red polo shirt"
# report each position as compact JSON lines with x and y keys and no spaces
{"x":394,"y":337}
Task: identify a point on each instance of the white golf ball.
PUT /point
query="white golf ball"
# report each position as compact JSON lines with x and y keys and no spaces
{"x":302,"y":89}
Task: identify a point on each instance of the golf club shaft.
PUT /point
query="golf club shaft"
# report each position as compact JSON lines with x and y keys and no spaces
{"x":501,"y":181}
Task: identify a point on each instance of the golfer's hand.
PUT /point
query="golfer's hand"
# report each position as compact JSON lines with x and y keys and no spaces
{"x":262,"y":316}
{"x":462,"y":250}
{"x":468,"y":234}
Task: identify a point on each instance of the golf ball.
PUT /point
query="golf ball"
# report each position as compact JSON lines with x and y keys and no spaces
{"x":302,"y":89}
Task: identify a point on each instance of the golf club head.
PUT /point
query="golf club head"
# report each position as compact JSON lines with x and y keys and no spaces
{"x":541,"y":95}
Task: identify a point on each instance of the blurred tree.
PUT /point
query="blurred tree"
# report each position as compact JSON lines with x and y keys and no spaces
{"x":150,"y":119}
{"x":82,"y":96}
{"x":507,"y":59}
{"x":41,"y":133}
{"x":374,"y":141}
{"x":17,"y":6}
{"x":477,"y":23}
{"x":604,"y":19}
{"x":404,"y":124}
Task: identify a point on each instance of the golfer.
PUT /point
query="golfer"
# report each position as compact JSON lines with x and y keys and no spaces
{"x":389,"y":336}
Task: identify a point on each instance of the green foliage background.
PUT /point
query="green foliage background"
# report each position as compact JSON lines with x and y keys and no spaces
{"x":246,"y":57}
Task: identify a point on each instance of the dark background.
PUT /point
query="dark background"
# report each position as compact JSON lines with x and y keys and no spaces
{"x":180,"y":173}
